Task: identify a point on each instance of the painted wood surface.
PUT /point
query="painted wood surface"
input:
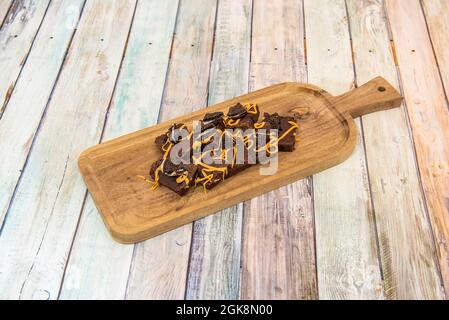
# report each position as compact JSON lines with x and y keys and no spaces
{"x":41,"y":222}
{"x":36,"y":237}
{"x":214,"y":270}
{"x":98,"y":267}
{"x":278,"y":257}
{"x":437,"y":18}
{"x":31,"y":94}
{"x":16,"y":37}
{"x":429,"y":116}
{"x":408,"y":263}
{"x":4,"y":7}
{"x":347,"y":263}
{"x":159,"y":266}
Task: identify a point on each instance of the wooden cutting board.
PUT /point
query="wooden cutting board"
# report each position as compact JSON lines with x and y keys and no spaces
{"x":327,"y":136}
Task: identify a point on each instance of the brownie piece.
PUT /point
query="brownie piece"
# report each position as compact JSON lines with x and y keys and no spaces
{"x":217,"y":177}
{"x":263,"y":154}
{"x":287,"y":144}
{"x":282,"y":124}
{"x":210,"y":178}
{"x":154,"y":167}
{"x":253,"y":112}
{"x":213,"y":120}
{"x":237,"y":112}
{"x":172,"y":170}
{"x":272,"y":121}
{"x":264,"y":128}
{"x":212,"y":116}
{"x":179,"y":178}
{"x":239,"y":167}
{"x":161,"y":140}
{"x":249,"y":155}
{"x":244,"y":123}
{"x":180,"y":188}
{"x":176,"y":133}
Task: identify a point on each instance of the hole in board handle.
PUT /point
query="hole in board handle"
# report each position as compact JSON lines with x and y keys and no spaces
{"x":381,"y":89}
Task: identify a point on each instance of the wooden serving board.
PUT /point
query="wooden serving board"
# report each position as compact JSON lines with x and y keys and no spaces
{"x":327,"y":136}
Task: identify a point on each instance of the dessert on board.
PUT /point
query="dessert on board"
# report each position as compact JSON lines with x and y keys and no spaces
{"x":219,"y":146}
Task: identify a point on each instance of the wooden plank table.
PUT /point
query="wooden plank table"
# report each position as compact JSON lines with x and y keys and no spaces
{"x":77,"y":72}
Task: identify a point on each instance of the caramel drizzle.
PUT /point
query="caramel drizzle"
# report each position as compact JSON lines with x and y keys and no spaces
{"x":259,"y":125}
{"x":232,"y":122}
{"x":252,"y":108}
{"x":208,"y":171}
{"x":183,"y":178}
{"x":159,"y":169}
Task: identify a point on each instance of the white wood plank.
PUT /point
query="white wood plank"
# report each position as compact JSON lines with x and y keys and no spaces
{"x":4,"y":7}
{"x":278,"y":257}
{"x":347,"y":261}
{"x":16,"y":37}
{"x":214,"y":271}
{"x":405,"y":237}
{"x":98,"y":267}
{"x":159,"y":266}
{"x":428,"y":114}
{"x":26,"y":106}
{"x":41,"y":222}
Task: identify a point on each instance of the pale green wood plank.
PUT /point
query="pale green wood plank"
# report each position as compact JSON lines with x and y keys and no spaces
{"x":98,"y":267}
{"x":159,"y":265}
{"x":214,"y":271}
{"x":41,"y":222}
{"x":16,"y":37}
{"x":278,"y":257}
{"x":429,"y":116}
{"x":32,"y":91}
{"x":347,"y":261}
{"x":405,"y":238}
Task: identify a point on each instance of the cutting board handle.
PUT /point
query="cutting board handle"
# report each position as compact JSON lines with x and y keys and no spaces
{"x":375,"y":95}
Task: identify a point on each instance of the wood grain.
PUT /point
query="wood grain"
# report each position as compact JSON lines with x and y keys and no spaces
{"x":111,"y":170}
{"x":408,"y":263}
{"x":16,"y":37}
{"x":347,"y":262}
{"x":99,"y":267}
{"x":4,"y":7}
{"x":429,"y":116}
{"x":20,"y":121}
{"x":159,"y":267}
{"x":214,"y":271}
{"x":278,"y":257}
{"x":41,"y":222}
{"x":437,"y":17}
{"x":387,"y":134}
